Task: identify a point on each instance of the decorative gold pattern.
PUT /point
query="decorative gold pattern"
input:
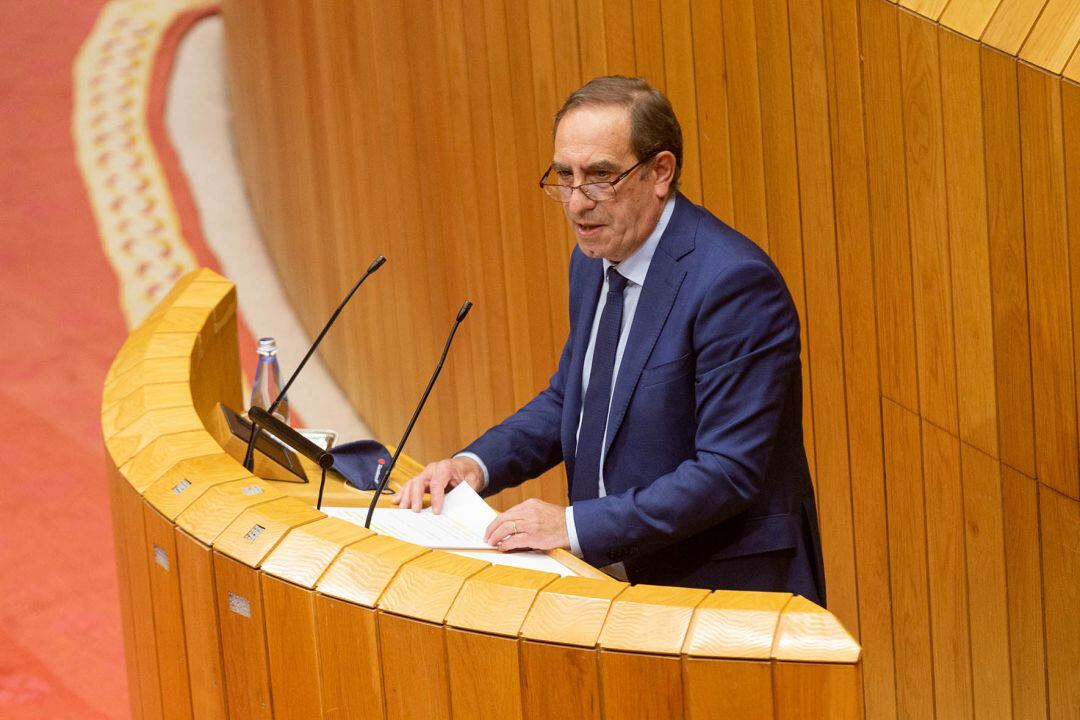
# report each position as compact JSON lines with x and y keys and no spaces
{"x":127,"y":188}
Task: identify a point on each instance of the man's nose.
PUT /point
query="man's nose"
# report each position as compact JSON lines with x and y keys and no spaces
{"x":579,"y":202}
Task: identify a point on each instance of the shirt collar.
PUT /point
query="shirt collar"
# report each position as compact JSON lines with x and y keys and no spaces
{"x":636,"y":267}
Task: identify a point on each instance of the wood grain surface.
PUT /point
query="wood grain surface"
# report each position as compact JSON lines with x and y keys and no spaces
{"x":305,"y":553}
{"x":198,"y":596}
{"x":911,"y":167}
{"x":243,"y":639}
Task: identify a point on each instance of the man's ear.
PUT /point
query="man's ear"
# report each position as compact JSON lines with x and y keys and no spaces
{"x":664,"y":169}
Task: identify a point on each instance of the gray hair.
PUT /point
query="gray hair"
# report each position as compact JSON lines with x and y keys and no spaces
{"x":653,"y":125}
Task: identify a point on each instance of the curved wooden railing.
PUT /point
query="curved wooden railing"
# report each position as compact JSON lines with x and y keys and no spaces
{"x":241,"y":600}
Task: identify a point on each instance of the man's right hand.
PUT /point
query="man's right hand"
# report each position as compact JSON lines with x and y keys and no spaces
{"x":437,"y":478}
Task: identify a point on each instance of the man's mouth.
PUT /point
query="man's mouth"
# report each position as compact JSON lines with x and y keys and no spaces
{"x":587,"y":229}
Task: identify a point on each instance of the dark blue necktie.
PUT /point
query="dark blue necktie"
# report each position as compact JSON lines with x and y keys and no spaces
{"x":598,"y":396}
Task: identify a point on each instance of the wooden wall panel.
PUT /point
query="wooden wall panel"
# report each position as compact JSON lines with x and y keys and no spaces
{"x":622,"y":673}
{"x":173,"y":665}
{"x":405,"y":643}
{"x":914,"y":170}
{"x":1057,"y":463}
{"x":1059,"y":519}
{"x":565,"y":681}
{"x":198,"y":597}
{"x":348,"y":641}
{"x":822,"y":316}
{"x":908,"y":563}
{"x":984,"y":543}
{"x":1008,"y":263}
{"x":946,"y":572}
{"x":1024,"y":571}
{"x":243,"y":639}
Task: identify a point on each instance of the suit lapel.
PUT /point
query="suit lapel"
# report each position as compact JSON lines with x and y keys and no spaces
{"x":657,"y":298}
{"x":592,"y":279}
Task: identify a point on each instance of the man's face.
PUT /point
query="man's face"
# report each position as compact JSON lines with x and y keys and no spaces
{"x":592,"y":144}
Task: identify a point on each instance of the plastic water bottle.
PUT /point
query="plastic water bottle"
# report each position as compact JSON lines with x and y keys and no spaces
{"x":267,"y":383}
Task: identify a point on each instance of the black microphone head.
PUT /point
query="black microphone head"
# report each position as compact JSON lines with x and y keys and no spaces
{"x":464,"y":310}
{"x":376,"y":264}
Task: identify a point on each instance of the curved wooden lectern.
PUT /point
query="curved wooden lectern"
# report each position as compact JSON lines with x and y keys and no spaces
{"x":242,"y":601}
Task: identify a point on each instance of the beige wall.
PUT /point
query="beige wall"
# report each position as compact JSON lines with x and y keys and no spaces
{"x":920,"y":191}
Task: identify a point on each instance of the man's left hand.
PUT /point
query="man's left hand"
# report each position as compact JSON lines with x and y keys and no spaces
{"x":533,"y":524}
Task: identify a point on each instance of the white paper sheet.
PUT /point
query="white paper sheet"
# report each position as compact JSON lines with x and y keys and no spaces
{"x":530,"y":560}
{"x":461,"y":525}
{"x":460,"y":528}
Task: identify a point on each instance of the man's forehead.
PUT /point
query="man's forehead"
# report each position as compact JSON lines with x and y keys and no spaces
{"x":591,"y":135}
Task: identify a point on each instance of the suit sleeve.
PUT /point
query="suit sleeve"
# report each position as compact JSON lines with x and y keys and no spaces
{"x":746,"y":344}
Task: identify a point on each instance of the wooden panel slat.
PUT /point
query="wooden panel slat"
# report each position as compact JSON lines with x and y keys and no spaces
{"x":965,"y":180}
{"x":946,"y":573}
{"x":243,"y":639}
{"x":1024,"y":570}
{"x":928,"y":220}
{"x":888,"y":204}
{"x":405,"y":643}
{"x":348,"y":641}
{"x":1059,"y":521}
{"x":986,"y":583}
{"x":744,"y":122}
{"x":823,"y":311}
{"x":173,"y":664}
{"x":969,"y":17}
{"x":1011,"y":24}
{"x":908,"y":563}
{"x":199,"y":600}
{"x":291,"y":649}
{"x":1052,"y":360}
{"x":1008,"y":263}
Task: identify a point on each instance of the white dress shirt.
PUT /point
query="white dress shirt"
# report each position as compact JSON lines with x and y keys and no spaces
{"x":634,"y":268}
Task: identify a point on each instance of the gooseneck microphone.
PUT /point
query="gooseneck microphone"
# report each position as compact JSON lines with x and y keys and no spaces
{"x":249,"y":455}
{"x":416,"y":413}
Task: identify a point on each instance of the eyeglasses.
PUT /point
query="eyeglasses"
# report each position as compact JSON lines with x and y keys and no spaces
{"x":595,"y":191}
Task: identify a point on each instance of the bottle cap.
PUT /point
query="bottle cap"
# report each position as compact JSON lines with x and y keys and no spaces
{"x":267,"y":346}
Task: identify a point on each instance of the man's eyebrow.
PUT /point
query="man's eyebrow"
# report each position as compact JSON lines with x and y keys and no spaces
{"x":596,"y":167}
{"x":600,"y":166}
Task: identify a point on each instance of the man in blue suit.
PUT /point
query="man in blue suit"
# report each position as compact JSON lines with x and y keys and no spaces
{"x":677,"y":403}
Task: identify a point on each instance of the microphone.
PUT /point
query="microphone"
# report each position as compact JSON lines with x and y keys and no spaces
{"x":282,"y":431}
{"x":465,"y":308}
{"x":249,"y":455}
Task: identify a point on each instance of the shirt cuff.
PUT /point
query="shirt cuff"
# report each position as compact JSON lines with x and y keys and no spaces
{"x":476,"y":458}
{"x":571,"y":531}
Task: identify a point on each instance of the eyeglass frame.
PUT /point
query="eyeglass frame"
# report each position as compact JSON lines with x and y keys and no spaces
{"x":618,"y":179}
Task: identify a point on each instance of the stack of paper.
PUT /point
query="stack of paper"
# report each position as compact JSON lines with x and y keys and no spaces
{"x":459,"y":527}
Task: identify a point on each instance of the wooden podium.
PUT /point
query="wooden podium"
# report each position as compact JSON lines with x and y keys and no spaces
{"x":242,"y":601}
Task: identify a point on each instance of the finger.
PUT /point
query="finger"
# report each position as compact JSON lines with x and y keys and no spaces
{"x":499,"y":533}
{"x":408,"y":490}
{"x":440,"y":479}
{"x":416,"y":503}
{"x":402,"y":493}
{"x":516,"y":541}
{"x":490,"y":535}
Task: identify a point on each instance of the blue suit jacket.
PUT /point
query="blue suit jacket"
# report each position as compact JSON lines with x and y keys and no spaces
{"x":706,"y":475}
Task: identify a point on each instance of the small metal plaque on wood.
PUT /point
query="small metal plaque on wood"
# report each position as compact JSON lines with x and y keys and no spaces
{"x":253,"y":534}
{"x":181,"y":486}
{"x":161,"y":557}
{"x":252,"y":490}
{"x":240,"y":605}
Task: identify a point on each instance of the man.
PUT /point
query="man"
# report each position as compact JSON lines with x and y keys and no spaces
{"x":676,"y":405}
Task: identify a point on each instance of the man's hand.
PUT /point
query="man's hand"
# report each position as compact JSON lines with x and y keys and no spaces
{"x":436,"y":478}
{"x":533,"y":524}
